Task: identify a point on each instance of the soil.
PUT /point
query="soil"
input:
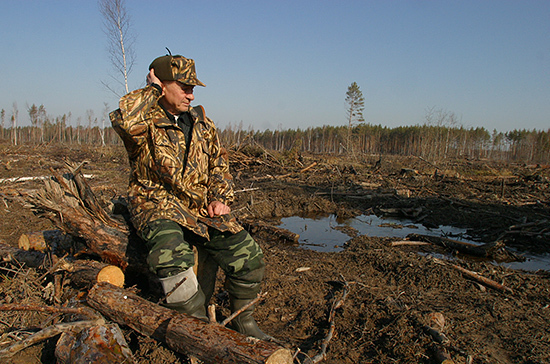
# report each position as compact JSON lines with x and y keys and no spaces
{"x":389,"y":295}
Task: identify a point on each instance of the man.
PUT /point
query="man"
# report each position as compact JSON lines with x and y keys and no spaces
{"x":180,"y":191}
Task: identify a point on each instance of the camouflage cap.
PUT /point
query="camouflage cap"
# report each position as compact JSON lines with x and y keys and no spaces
{"x":176,"y":68}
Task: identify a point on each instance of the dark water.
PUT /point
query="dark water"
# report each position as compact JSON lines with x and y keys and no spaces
{"x":327,"y":234}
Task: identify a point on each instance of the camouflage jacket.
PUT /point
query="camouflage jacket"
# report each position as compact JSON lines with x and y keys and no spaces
{"x":161,"y":187}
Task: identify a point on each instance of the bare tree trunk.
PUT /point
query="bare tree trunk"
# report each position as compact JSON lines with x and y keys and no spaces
{"x":116,"y":22}
{"x":14,"y":117}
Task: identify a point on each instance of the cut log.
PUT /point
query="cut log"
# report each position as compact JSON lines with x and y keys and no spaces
{"x":34,"y":241}
{"x":86,"y":273}
{"x":82,"y":273}
{"x":97,"y":344}
{"x":209,"y":342}
{"x":55,"y":241}
{"x":12,"y":254}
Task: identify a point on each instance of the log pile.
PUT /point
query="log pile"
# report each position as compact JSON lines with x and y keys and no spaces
{"x":93,"y":251}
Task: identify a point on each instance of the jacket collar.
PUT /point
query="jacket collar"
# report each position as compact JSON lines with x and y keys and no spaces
{"x":162,"y":118}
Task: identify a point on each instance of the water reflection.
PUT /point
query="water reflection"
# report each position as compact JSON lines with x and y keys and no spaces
{"x":328,"y":234}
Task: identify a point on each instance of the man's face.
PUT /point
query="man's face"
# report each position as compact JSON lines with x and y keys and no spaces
{"x":177,"y":97}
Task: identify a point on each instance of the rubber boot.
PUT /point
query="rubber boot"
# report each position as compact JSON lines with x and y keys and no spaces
{"x":244,"y":322}
{"x":242,"y":290}
{"x":184,"y":294}
{"x":192,"y":307}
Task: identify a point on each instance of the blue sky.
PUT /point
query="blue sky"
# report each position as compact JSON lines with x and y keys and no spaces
{"x":288,"y":64}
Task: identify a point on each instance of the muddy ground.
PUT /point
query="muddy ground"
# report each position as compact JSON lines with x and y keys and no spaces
{"x":393,"y":292}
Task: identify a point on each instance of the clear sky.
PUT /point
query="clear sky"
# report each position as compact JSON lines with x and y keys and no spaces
{"x":288,"y":64}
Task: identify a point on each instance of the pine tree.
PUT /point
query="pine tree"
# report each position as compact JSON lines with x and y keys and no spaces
{"x":356,"y":105}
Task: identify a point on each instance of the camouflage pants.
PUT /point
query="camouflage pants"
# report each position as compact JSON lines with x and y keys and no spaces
{"x":171,"y":251}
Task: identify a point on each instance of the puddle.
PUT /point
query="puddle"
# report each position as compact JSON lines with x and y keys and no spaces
{"x":327,"y":234}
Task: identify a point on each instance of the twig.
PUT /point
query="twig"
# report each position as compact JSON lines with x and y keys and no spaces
{"x":430,"y":163}
{"x":308,"y":167}
{"x":247,"y":189}
{"x":69,"y":310}
{"x":165,"y":298}
{"x":332,"y":326}
{"x":37,"y":178}
{"x":54,"y":267}
{"x":408,"y":242}
{"x":47,"y":333}
{"x":238,"y":312}
{"x":212,"y":313}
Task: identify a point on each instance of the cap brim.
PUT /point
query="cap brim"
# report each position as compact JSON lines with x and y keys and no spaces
{"x":192,"y":83}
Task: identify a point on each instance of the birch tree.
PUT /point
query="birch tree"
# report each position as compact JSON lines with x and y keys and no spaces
{"x":117,"y":27}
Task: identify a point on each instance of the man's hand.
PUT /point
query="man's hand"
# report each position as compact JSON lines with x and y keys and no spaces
{"x":151,"y":78}
{"x":217,"y":208}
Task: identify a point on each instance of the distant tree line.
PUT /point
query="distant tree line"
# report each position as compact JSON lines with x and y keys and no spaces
{"x":435,"y":141}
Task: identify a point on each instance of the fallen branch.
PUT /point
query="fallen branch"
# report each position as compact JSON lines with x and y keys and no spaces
{"x":332,"y":326}
{"x":477,"y":277}
{"x":308,"y":167}
{"x":78,"y":213}
{"x":38,"y":178}
{"x":408,"y":242}
{"x":430,"y":163}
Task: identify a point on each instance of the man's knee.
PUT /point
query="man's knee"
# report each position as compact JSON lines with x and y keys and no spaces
{"x":237,"y":254}
{"x":169,"y":253}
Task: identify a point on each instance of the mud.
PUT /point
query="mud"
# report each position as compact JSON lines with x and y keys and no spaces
{"x":389,"y":295}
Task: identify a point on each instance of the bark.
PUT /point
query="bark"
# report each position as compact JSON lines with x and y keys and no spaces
{"x":108,"y":243}
{"x":209,"y":342}
{"x":97,"y":344}
{"x":44,"y":334}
